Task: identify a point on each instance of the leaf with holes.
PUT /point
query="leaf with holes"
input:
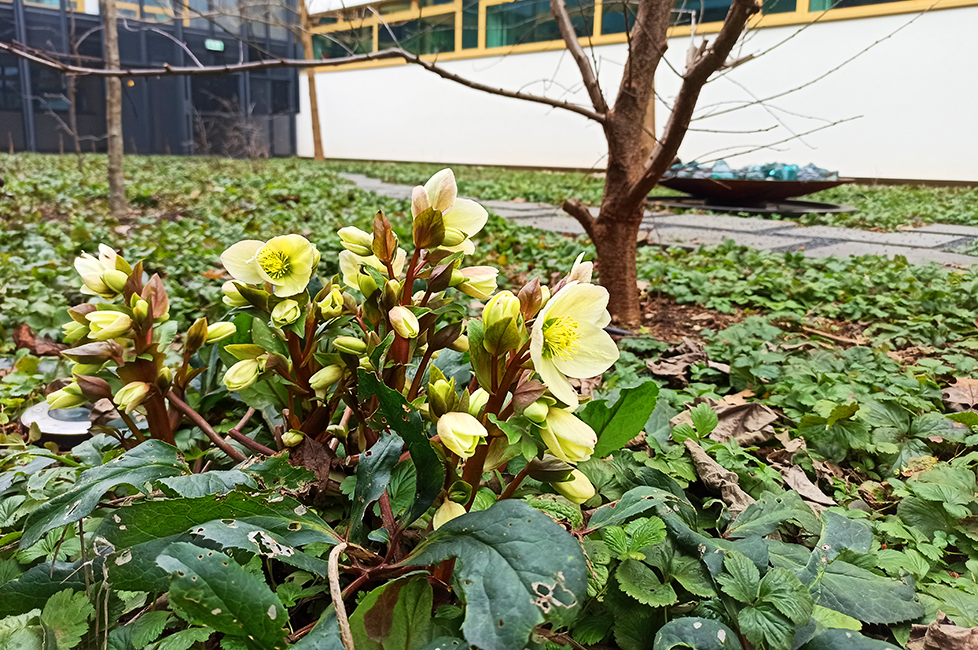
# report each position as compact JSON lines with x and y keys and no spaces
{"x":199,"y":485}
{"x":209,"y":587}
{"x":373,"y":477}
{"x":516,"y":568}
{"x":146,"y":463}
{"x":697,"y":634}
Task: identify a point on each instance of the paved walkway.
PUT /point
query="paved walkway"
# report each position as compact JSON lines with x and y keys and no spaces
{"x":926,"y":244}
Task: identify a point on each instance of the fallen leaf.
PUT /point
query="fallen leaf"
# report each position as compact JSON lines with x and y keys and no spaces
{"x":797,"y":480}
{"x":675,"y":362}
{"x":718,"y":479}
{"x":39,"y":347}
{"x":748,"y":423}
{"x":213,"y":274}
{"x":964,"y":390}
{"x":942,"y":634}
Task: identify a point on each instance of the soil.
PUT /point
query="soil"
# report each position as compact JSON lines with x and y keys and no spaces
{"x":666,"y":320}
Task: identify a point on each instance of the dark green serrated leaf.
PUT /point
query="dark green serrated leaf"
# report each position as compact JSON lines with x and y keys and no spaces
{"x":767,"y":514}
{"x":781,"y":588}
{"x":373,"y":477}
{"x":66,"y":615}
{"x":591,"y":629}
{"x":635,"y":502}
{"x":184,"y":639}
{"x":704,"y":419}
{"x":516,"y":568}
{"x":396,"y":616}
{"x":445,"y":643}
{"x":740,"y":579}
{"x":696,"y":634}
{"x":146,"y":463}
{"x":846,"y":640}
{"x":395,"y":413}
{"x":209,"y":587}
{"x":765,"y":626}
{"x":617,"y":424}
{"x":148,"y":627}
{"x":641,"y":583}
{"x":199,"y":485}
{"x":324,"y":636}
{"x":38,"y":584}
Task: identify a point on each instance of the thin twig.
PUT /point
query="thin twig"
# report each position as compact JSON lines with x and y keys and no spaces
{"x":208,"y":430}
{"x":333,"y":570}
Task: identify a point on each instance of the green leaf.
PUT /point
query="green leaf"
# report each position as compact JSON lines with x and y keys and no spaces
{"x":517,"y":569}
{"x":324,"y":636}
{"x":373,"y":477}
{"x":209,"y":587}
{"x":272,"y":537}
{"x":66,"y":614}
{"x":768,"y":513}
{"x":633,"y":503}
{"x":38,"y":584}
{"x":831,"y":618}
{"x":641,"y":583}
{"x":148,"y":627}
{"x":146,"y":463}
{"x":183,"y":639}
{"x":645,"y":532}
{"x":617,"y":424}
{"x":138,"y":533}
{"x":443,"y":643}
{"x":263,"y":336}
{"x":960,"y":606}
{"x":616,"y":539}
{"x":781,"y":588}
{"x":199,"y":485}
{"x":841,"y":533}
{"x":591,"y":630}
{"x":763,"y":624}
{"x":696,"y":634}
{"x":395,"y":616}
{"x":740,"y":579}
{"x":277,"y":472}
{"x":704,"y":419}
{"x":395,"y":413}
{"x":846,"y":640}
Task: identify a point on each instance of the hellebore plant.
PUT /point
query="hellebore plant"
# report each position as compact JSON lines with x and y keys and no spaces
{"x":347,"y":370}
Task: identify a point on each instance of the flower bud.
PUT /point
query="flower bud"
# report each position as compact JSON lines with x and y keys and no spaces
{"x":68,"y":397}
{"x":131,"y":395}
{"x":461,"y":433}
{"x":549,"y":469}
{"x":446,"y":512}
{"x":537,"y":411}
{"x":220,"y":331}
{"x":326,"y":377}
{"x":461,"y":344}
{"x":233,"y":297}
{"x":107,"y":325}
{"x":86,"y":368}
{"x":196,"y":335}
{"x":94,"y":388}
{"x":242,"y":374}
{"x":453,"y":237}
{"x":578,"y":489}
{"x":140,"y":310}
{"x":292,"y":437}
{"x":478,"y":401}
{"x":115,"y":280}
{"x":544,"y":296}
{"x":356,"y":241}
{"x":442,"y":397}
{"x":404,"y":322}
{"x":503,"y":323}
{"x":286,"y":313}
{"x":366,"y":284}
{"x":392,"y":294}
{"x":165,"y":378}
{"x":478,"y":281}
{"x":349,"y":344}
{"x":332,"y":305}
{"x":74,"y":331}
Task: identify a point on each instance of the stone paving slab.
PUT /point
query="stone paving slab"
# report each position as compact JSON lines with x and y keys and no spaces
{"x":949,"y":229}
{"x":520,"y":215}
{"x":696,"y":237}
{"x":514,"y":206}
{"x":718,"y":222}
{"x":907,"y":238}
{"x":913,"y":255}
{"x":558,"y":223}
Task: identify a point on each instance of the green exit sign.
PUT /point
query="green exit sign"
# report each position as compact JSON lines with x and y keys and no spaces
{"x":214,"y":45}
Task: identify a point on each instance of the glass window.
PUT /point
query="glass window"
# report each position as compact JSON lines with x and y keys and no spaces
{"x":618,"y":16}
{"x":778,"y":6}
{"x":530,"y":21}
{"x":394,"y":7}
{"x":432,"y":3}
{"x":335,"y":45}
{"x":422,"y":36}
{"x":706,"y":11}
{"x":470,"y":24}
{"x":9,"y":84}
{"x":823,"y":5}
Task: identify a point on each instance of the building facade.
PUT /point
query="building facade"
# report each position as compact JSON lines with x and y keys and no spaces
{"x":236,"y":114}
{"x":869,"y":88}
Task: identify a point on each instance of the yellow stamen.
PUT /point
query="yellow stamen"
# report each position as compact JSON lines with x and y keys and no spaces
{"x":560,"y":338}
{"x":275,"y":263}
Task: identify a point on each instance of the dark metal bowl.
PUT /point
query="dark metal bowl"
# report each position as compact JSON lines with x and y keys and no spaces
{"x":747,"y":192}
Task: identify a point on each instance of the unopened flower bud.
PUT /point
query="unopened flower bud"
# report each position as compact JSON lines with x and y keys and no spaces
{"x":478,"y":401}
{"x":461,"y":433}
{"x":503,"y":323}
{"x":74,"y":331}
{"x":461,"y":344}
{"x":578,"y":489}
{"x":453,"y":237}
{"x":366,"y":284}
{"x":105,"y":324}
{"x":220,"y":331}
{"x":442,"y":397}
{"x":131,"y":395}
{"x":292,"y":437}
{"x":446,"y":512}
{"x":86,"y":368}
{"x":404,"y":322}
{"x":544,"y":296}
{"x":67,"y":398}
{"x":326,"y":377}
{"x":349,"y":344}
{"x":242,"y":374}
{"x":196,"y":335}
{"x":356,"y":241}
{"x":478,"y":281}
{"x":286,"y":313}
{"x":233,"y":297}
{"x":141,"y":310}
{"x":165,"y":378}
{"x":537,"y":411}
{"x":332,"y":305}
{"x":115,"y":280}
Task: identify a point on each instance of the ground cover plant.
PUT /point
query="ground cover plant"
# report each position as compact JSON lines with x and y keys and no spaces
{"x":781,"y":458}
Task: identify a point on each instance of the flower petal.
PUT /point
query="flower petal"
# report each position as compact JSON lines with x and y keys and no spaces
{"x":569,"y":428}
{"x":466,"y":215}
{"x":419,"y":201}
{"x":556,"y":382}
{"x":585,"y":303}
{"x":240,"y":262}
{"x":596,"y":352}
{"x":442,"y":190}
{"x":350,"y":268}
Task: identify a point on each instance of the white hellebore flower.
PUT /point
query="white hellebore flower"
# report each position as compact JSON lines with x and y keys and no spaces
{"x":581,"y":271}
{"x":567,"y":437}
{"x":286,"y":262}
{"x":445,"y":513}
{"x":461,"y":433}
{"x":104,"y":276}
{"x":463,"y":216}
{"x":350,"y":264}
{"x":568,"y":339}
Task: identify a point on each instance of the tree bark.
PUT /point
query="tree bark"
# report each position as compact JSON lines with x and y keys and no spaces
{"x":615,"y":242}
{"x":113,"y":111}
{"x":309,"y":52}
{"x":72,"y":87}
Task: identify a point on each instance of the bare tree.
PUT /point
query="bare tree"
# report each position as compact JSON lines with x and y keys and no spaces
{"x":113,"y":111}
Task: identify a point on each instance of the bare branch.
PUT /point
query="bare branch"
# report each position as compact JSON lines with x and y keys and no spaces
{"x":696,"y":76}
{"x":579,"y":211}
{"x":395,"y":53}
{"x":559,"y":11}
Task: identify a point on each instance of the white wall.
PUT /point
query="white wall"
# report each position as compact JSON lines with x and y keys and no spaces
{"x":913,"y":96}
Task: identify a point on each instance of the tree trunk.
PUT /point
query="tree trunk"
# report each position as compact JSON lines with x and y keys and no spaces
{"x":615,"y":239}
{"x":72,"y":87}
{"x":309,"y":53}
{"x":113,"y":112}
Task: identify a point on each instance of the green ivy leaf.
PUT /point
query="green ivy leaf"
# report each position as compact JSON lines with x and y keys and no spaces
{"x":740,"y":579}
{"x":66,"y":615}
{"x":617,"y":424}
{"x":517,"y":569}
{"x":373,"y":477}
{"x":395,"y":616}
{"x":199,"y":485}
{"x":146,"y":463}
{"x":641,"y":583}
{"x":209,"y":587}
{"x":696,"y":634}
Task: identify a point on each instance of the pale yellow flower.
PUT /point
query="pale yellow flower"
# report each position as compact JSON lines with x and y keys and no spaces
{"x":476,"y":281}
{"x":104,"y":276}
{"x":578,"y":489}
{"x":67,"y":398}
{"x":568,"y":339}
{"x":567,"y":438}
{"x":219,"y":332}
{"x":286,"y":262}
{"x":132,"y":395}
{"x":286,"y":313}
{"x":461,"y":215}
{"x":242,"y":374}
{"x":404,"y":322}
{"x":461,"y":433}
{"x":106,"y":324}
{"x":350,"y":266}
{"x":445,"y":513}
